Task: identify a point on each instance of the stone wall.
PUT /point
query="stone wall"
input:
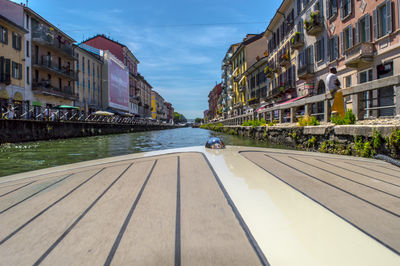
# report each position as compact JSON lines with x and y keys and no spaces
{"x":12,"y":131}
{"x":357,"y":140}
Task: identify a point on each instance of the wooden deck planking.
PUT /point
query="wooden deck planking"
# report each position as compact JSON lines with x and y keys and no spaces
{"x":101,"y":223}
{"x":149,"y":238}
{"x":382,"y":225}
{"x":27,"y":246}
{"x":26,"y":211}
{"x":211,"y":235}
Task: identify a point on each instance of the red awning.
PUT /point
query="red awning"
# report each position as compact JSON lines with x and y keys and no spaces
{"x":292,"y":100}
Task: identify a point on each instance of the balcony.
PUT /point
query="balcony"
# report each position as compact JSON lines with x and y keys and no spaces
{"x":360,"y":55}
{"x":284,"y":59}
{"x":44,"y":87}
{"x":46,"y":63}
{"x":5,"y":78}
{"x":47,"y":38}
{"x":315,"y":25}
{"x":297,"y":41}
{"x":282,"y":88}
{"x":305,"y":72}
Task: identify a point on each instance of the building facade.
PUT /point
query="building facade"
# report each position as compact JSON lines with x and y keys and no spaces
{"x":12,"y":66}
{"x":252,"y":47}
{"x":143,"y":92}
{"x":123,"y":53}
{"x":213,"y":109}
{"x":89,"y":66}
{"x":158,"y":106}
{"x":227,"y":82}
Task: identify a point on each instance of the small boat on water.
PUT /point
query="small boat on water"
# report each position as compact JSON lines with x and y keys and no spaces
{"x":198,"y":206}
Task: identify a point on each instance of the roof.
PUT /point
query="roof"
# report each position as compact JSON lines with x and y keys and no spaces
{"x":247,"y":41}
{"x":6,"y":20}
{"x":111,"y":40}
{"x":89,"y":50}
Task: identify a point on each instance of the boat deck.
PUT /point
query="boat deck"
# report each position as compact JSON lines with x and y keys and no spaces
{"x":237,"y":206}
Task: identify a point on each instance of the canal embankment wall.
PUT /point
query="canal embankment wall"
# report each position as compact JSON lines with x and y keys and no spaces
{"x":13,"y":131}
{"x":356,"y":140}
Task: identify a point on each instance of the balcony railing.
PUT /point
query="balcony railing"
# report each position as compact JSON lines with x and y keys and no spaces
{"x":47,"y":37}
{"x":297,"y":41}
{"x":314,"y":26}
{"x":282,"y":88}
{"x":5,"y":78}
{"x":360,"y":55}
{"x":284,"y":60}
{"x":44,"y":87}
{"x":47,"y":63}
{"x":305,"y":71}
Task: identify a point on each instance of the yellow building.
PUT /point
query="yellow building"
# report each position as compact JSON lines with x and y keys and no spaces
{"x":12,"y":65}
{"x":88,"y":85}
{"x":153,"y":106}
{"x":249,"y":51}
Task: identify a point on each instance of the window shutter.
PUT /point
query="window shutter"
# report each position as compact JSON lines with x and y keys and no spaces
{"x":368,"y":28}
{"x":349,"y":3}
{"x":375,"y":17}
{"x":389,"y":16}
{"x":1,"y":66}
{"x":310,"y":49}
{"x":7,"y":67}
{"x":13,"y":69}
{"x":351,"y":36}
{"x":323,"y":48}
{"x":316,"y":51}
{"x":357,"y":40}
{"x":1,"y":34}
{"x":334,"y":7}
{"x":341,"y":8}
{"x":328,"y":9}
{"x":14,"y":41}
{"x":20,"y":71}
{"x":336,"y":47}
{"x":321,"y":8}
{"x":341,"y":43}
{"x":6,"y":35}
{"x":19,"y":38}
{"x":329,"y":48}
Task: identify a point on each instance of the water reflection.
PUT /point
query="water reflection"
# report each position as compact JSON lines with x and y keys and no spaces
{"x":15,"y":158}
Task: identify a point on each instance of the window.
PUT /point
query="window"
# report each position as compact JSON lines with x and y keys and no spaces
{"x":16,"y":41}
{"x":27,"y":22}
{"x":27,"y":48}
{"x":88,"y":66}
{"x":16,"y":70}
{"x":333,"y":48}
{"x":319,"y":50}
{"x":382,"y":17}
{"x":59,"y":83}
{"x":3,"y":35}
{"x":365,"y":76}
{"x":331,"y":9}
{"x":346,"y":38}
{"x":83,"y":82}
{"x":345,"y":8}
{"x":363,"y":29}
{"x":27,"y":75}
{"x":347,"y":81}
{"x":83,"y":66}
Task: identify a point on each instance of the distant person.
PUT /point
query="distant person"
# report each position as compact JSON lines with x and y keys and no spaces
{"x":332,"y":83}
{"x":11,"y":113}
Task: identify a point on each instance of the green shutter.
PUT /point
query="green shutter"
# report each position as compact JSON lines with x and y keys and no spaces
{"x":20,"y":71}
{"x":357,"y":37}
{"x":13,"y":69}
{"x":6,"y":35}
{"x":7,"y":67}
{"x":389,"y":16}
{"x":367,"y":28}
{"x":375,"y":17}
{"x":19,"y":38}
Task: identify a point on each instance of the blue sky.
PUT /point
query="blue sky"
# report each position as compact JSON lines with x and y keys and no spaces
{"x":180,"y":43}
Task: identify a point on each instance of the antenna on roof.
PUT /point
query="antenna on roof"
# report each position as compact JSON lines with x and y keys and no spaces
{"x":27,"y":2}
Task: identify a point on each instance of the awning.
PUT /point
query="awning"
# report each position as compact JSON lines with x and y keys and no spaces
{"x":104,"y":113}
{"x":4,"y":94}
{"x":67,"y":107}
{"x":18,"y":97}
{"x":292,"y":100}
{"x":35,"y":103}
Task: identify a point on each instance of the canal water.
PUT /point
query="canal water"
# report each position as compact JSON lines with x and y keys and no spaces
{"x":29,"y":156}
